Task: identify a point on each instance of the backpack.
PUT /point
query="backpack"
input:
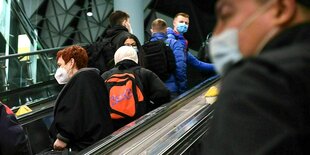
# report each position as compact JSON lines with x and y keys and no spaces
{"x":125,"y":94}
{"x":101,"y":53}
{"x":160,"y":57}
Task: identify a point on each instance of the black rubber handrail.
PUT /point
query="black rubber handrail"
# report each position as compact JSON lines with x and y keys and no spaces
{"x":28,"y":88}
{"x":50,"y":50}
{"x":46,"y":109}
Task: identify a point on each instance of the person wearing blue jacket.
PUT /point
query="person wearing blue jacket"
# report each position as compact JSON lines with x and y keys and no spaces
{"x":180,"y":26}
{"x":177,"y":82}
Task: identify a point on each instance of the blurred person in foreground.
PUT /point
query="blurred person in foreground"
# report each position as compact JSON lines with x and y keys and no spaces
{"x":262,"y":50}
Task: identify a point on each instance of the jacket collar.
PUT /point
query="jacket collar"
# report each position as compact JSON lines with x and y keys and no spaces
{"x":294,"y":35}
{"x":126,"y":64}
{"x":159,"y":36}
{"x":115,"y":29}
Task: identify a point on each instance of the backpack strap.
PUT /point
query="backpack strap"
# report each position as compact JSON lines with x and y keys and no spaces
{"x":119,"y":113}
{"x":138,"y":79}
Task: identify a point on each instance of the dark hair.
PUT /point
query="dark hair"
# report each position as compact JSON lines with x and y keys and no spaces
{"x":117,"y":17}
{"x":141,"y":61}
{"x":76,"y":52}
{"x":131,"y":36}
{"x":181,"y":14}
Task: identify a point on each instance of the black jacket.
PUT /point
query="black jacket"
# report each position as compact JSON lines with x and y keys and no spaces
{"x":121,"y":34}
{"x":154,"y":90}
{"x":120,"y":31}
{"x":81,"y":115}
{"x":13,"y":140}
{"x":264,"y":104}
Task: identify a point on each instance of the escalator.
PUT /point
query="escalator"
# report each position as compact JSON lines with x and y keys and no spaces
{"x":147,"y":134}
{"x":170,"y":129}
{"x":173,"y":123}
{"x":169,"y":125}
{"x":165,"y":129}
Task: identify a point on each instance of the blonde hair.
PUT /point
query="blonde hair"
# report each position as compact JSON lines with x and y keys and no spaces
{"x":181,"y":14}
{"x":159,"y":25}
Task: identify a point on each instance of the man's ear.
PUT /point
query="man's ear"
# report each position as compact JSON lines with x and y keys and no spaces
{"x":175,"y":23}
{"x":124,"y":23}
{"x":151,"y":30}
{"x":286,"y":10}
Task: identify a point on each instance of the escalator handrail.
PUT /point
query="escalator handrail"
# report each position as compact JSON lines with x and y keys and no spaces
{"x":50,"y":50}
{"x":28,"y":88}
{"x":45,"y":110}
{"x":121,"y":136}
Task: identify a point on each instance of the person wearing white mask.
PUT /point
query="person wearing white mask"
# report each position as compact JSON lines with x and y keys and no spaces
{"x":81,"y":115}
{"x":261,"y":48}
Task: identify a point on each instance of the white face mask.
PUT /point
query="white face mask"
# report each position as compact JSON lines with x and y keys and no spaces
{"x":136,"y":48}
{"x":224,"y":48}
{"x":62,"y":76}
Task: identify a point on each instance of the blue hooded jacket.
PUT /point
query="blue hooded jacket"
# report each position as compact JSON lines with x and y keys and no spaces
{"x":177,"y":36}
{"x":189,"y":58}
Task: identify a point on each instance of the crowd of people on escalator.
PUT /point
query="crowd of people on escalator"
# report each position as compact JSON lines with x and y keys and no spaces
{"x":263,"y":103}
{"x":116,"y":80}
{"x":97,"y":101}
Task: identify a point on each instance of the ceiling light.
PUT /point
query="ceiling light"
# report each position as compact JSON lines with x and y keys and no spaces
{"x":89,"y":11}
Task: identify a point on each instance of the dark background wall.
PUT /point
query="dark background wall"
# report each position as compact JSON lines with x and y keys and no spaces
{"x":202,"y":18}
{"x":202,"y":22}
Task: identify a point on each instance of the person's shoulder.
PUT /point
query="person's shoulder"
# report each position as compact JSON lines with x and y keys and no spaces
{"x":144,"y":71}
{"x":288,"y":55}
{"x":86,"y":73}
{"x":170,"y":30}
{"x":124,"y":33}
{"x":253,"y":71}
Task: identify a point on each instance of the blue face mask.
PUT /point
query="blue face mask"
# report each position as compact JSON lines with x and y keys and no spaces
{"x":182,"y":27}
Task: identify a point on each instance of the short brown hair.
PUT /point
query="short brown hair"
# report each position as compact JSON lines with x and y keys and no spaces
{"x":181,"y":14}
{"x":117,"y":17}
{"x":159,"y":25}
{"x":76,"y":52}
